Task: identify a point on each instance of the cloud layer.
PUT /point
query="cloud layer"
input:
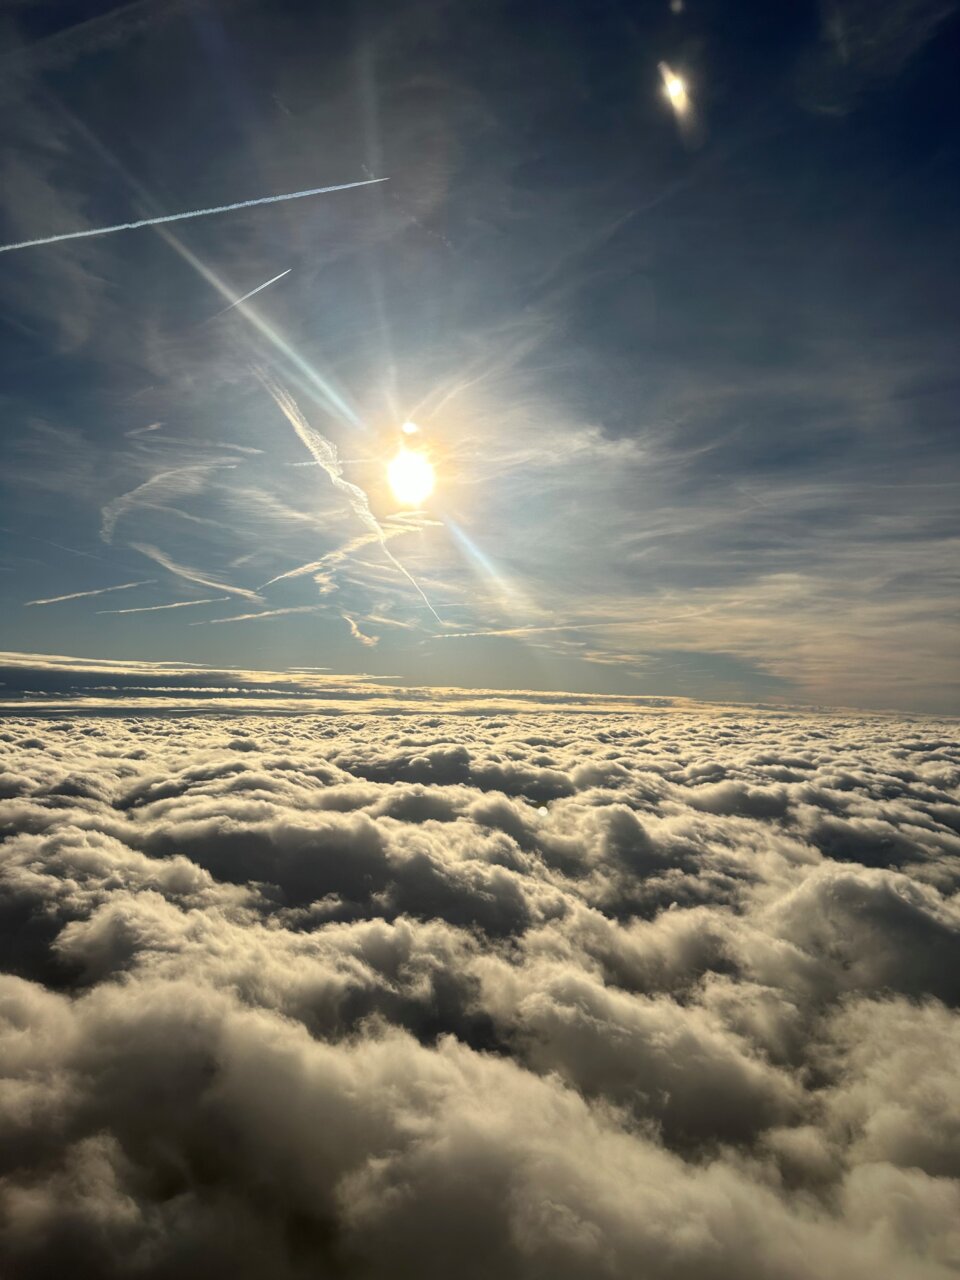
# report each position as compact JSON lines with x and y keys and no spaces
{"x":620,"y":995}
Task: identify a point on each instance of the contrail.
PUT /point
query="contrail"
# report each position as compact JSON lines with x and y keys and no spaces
{"x":255,"y":617}
{"x":331,"y":397}
{"x":168,"y":482}
{"x":191,"y":575}
{"x":328,"y":561}
{"x":73,"y":551}
{"x":177,"y":604}
{"x":357,"y":634}
{"x":526,"y":631}
{"x":265,"y":285}
{"x":101,"y":591}
{"x":334,"y":557}
{"x":193,"y":213}
{"x":325,"y":455}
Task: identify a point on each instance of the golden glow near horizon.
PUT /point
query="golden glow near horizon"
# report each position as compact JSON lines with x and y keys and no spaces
{"x":675,"y":87}
{"x":411,"y":477}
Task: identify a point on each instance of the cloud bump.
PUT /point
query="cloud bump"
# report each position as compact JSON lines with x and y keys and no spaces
{"x":669,"y":995}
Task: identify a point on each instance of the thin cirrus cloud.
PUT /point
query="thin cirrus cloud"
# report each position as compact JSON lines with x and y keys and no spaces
{"x":361,"y":636}
{"x":174,"y":604}
{"x":262,"y":615}
{"x":192,"y":575}
{"x":155,"y":490}
{"x":98,"y":591}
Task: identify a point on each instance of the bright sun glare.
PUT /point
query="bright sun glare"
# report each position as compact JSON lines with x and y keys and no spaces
{"x":675,"y":87}
{"x":411,"y":477}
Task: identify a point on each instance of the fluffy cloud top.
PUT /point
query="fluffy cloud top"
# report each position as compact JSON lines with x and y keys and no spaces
{"x":669,"y":995}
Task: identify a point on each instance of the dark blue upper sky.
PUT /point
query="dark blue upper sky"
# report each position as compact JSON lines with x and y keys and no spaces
{"x":687,"y":378}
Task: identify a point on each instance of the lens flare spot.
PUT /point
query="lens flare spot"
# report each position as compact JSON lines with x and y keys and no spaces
{"x":675,"y":87}
{"x":411,"y":477}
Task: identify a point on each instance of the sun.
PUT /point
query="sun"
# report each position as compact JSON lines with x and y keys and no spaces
{"x":411,"y":477}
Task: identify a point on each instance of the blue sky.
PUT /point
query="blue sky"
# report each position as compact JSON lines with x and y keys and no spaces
{"x":688,"y":383}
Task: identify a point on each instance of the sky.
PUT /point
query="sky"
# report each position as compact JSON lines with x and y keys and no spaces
{"x":683,"y":365}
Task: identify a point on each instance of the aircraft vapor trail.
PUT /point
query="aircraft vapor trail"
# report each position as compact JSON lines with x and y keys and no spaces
{"x":100,"y":591}
{"x":533,"y":629}
{"x":325,"y":455}
{"x":177,"y":604}
{"x":177,"y":479}
{"x":339,"y":554}
{"x":327,"y":561}
{"x":255,"y":617}
{"x":193,"y":213}
{"x":265,"y":285}
{"x":191,"y":575}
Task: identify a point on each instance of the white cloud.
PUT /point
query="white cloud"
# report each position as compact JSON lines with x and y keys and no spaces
{"x":421,"y":994}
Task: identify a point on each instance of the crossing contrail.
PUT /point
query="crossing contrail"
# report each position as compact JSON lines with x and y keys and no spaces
{"x":266,"y":283}
{"x":325,"y":455}
{"x":193,"y":213}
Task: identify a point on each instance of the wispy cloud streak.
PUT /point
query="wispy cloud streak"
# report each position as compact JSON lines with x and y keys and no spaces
{"x":329,"y":561}
{"x":256,"y":617}
{"x":325,"y":563}
{"x":192,"y":575}
{"x":357,"y":634}
{"x":100,"y":591}
{"x":164,"y":483}
{"x":526,"y":631}
{"x":180,"y":217}
{"x":58,"y":546}
{"x":177,"y":604}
